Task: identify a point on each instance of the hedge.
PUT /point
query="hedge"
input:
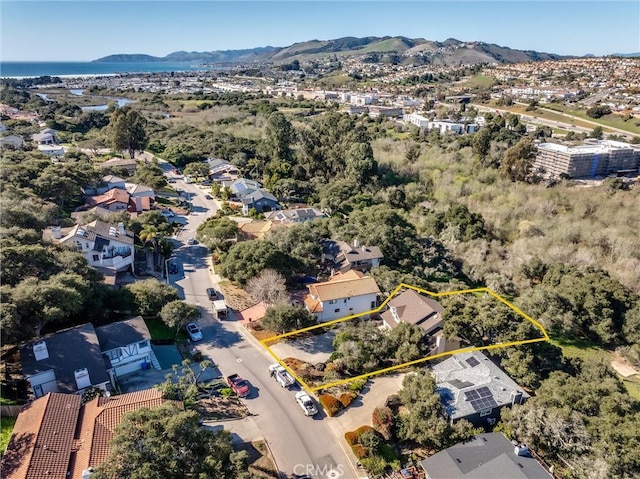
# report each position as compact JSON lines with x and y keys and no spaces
{"x":347,"y":398}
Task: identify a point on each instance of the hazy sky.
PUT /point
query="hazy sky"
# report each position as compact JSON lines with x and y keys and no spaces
{"x":86,"y":30}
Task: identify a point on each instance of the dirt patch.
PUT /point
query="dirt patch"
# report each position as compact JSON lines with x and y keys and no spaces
{"x":221,"y":408}
{"x":260,"y":334}
{"x":623,"y":367}
{"x":235,"y":297}
{"x":306,"y":371}
{"x":260,"y":462}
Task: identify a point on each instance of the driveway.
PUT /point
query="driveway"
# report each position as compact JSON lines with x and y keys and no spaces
{"x":312,"y":349}
{"x":375,"y":394}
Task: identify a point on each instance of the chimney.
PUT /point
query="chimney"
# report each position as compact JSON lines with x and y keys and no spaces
{"x":522,"y":450}
{"x":40,"y":351}
{"x":121,"y":228}
{"x":516,"y":397}
{"x":55,"y":231}
{"x":356,"y":243}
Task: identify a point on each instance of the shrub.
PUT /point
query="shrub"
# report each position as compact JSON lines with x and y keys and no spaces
{"x":330,"y":404}
{"x":357,"y":385}
{"x":383,"y":420}
{"x":374,"y":465}
{"x":347,"y":398}
{"x":362,"y":429}
{"x":359,"y":451}
{"x":389,"y":455}
{"x":226,"y":392}
{"x":351,"y":437}
{"x":371,"y":439}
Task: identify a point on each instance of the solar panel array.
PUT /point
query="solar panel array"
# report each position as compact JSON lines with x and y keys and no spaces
{"x":473,"y":362}
{"x":481,"y":399}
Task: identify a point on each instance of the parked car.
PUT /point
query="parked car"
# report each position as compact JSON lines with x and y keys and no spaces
{"x":191,"y":241}
{"x":173,"y":268}
{"x":306,"y":403}
{"x":167,"y":213}
{"x":213,"y":294}
{"x":209,"y":197}
{"x":194,"y":332}
{"x":239,"y":385}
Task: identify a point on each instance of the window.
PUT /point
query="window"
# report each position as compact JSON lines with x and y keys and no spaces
{"x":114,"y":354}
{"x":337,"y":310}
{"x":345,"y":301}
{"x":96,"y":257}
{"x":332,"y":301}
{"x":486,"y":412}
{"x":143,"y":344}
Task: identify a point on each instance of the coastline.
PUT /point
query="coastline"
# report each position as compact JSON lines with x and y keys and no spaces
{"x":21,"y":70}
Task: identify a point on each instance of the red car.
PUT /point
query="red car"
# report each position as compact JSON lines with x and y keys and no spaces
{"x":239,"y":385}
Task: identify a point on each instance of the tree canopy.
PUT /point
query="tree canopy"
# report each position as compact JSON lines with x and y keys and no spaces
{"x":168,"y":442}
{"x":127,"y":130}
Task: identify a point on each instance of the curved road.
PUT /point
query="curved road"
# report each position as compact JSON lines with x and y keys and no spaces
{"x":299,"y":444}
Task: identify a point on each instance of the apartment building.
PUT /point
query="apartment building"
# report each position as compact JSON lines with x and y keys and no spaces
{"x":592,"y":159}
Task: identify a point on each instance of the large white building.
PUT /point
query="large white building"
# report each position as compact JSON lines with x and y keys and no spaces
{"x":592,"y":159}
{"x":444,"y":126}
{"x":105,"y":246}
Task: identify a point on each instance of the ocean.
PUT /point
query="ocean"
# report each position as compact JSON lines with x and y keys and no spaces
{"x":36,"y":69}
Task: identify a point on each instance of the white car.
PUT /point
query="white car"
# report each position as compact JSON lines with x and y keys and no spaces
{"x":194,"y":332}
{"x":306,"y":403}
{"x":191,"y":241}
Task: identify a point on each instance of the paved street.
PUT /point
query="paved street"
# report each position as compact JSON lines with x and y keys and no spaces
{"x":299,"y":444}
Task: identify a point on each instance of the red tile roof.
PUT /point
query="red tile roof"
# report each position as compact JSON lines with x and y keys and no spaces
{"x":55,"y":435}
{"x":42,"y":438}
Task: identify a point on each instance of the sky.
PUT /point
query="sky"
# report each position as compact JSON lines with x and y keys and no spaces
{"x":79,"y":30}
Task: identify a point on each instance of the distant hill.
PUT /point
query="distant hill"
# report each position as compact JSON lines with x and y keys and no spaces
{"x":450,"y":52}
{"x":626,"y":55}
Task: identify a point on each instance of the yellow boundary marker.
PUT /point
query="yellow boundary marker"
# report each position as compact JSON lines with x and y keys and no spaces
{"x":545,"y":336}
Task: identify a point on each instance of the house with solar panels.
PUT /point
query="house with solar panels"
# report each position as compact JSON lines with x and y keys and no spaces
{"x":472,"y":387}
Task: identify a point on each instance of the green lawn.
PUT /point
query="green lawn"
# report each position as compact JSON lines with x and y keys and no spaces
{"x":161,"y":331}
{"x":583,"y":349}
{"x":6,"y":427}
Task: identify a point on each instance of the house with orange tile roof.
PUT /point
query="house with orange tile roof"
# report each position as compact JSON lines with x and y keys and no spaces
{"x":343,"y":295}
{"x":56,"y":436}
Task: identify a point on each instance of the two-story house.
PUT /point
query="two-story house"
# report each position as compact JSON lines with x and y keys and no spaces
{"x":343,"y":295}
{"x":103,"y":244}
{"x":69,"y":361}
{"x":125,"y":346}
{"x":343,"y":257}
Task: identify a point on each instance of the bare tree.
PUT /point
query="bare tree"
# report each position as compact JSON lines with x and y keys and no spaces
{"x":268,"y":286}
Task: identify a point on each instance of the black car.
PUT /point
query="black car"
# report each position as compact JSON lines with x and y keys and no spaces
{"x":173,"y":268}
{"x":213,"y":294}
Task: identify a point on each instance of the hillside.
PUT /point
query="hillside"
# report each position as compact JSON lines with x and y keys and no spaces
{"x":450,"y":52}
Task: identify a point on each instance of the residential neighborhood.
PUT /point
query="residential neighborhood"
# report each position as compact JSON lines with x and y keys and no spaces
{"x":357,"y":264}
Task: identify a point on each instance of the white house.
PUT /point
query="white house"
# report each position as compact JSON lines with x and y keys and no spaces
{"x":343,"y":295}
{"x":125,"y":346}
{"x":104,"y":245}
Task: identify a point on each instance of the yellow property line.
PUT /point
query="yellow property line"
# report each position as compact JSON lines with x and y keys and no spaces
{"x":416,"y":361}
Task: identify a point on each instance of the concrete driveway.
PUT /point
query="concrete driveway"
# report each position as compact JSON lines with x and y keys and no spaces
{"x":313,"y":349}
{"x":148,"y":378}
{"x":372,"y":396}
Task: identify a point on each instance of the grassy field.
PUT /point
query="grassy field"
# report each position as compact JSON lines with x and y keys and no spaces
{"x":615,"y":121}
{"x":585,"y":350}
{"x":6,"y":427}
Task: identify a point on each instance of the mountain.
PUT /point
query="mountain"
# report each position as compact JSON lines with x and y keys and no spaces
{"x":626,"y":55}
{"x":450,"y":52}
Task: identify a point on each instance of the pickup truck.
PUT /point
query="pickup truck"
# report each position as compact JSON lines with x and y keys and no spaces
{"x":239,"y":385}
{"x":281,"y":375}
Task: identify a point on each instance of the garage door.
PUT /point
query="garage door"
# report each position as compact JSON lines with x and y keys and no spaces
{"x":129,"y":367}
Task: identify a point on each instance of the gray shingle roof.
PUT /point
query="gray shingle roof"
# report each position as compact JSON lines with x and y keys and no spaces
{"x":486,"y":456}
{"x":463,"y":373}
{"x":122,"y":333}
{"x":68,"y":351}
